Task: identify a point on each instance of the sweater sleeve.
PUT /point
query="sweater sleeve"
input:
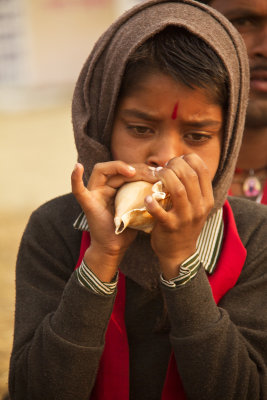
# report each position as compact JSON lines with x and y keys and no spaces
{"x":59,"y":325}
{"x":220,"y":350}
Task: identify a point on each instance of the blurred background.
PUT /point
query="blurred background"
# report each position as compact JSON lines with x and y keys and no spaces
{"x":43,"y":44}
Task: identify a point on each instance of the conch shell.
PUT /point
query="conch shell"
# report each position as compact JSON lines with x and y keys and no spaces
{"x":130,"y":210}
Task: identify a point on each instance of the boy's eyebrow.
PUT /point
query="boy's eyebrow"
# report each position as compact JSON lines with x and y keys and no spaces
{"x":203,"y":122}
{"x":138,"y":114}
{"x":148,"y":117}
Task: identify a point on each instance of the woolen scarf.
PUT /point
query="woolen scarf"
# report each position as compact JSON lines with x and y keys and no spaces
{"x":96,"y":93}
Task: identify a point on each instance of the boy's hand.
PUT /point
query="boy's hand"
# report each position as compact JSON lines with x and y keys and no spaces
{"x":176,"y":231}
{"x":97,"y":201}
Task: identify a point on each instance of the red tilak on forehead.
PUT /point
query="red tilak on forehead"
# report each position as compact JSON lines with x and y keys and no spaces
{"x":175,"y":111}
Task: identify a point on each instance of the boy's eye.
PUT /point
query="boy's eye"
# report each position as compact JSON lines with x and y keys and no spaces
{"x":139,"y":130}
{"x":197,"y":137}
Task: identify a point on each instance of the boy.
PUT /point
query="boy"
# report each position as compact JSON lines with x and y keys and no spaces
{"x":162,"y":97}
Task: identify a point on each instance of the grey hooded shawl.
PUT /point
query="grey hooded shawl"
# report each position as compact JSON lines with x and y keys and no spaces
{"x":98,"y":85}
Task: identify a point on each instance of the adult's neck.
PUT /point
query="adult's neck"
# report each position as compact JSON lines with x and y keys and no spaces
{"x":253,"y":152}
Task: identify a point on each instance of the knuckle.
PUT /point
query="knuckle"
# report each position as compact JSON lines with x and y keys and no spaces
{"x":167,"y":222}
{"x":193,"y":176}
{"x":162,"y":174}
{"x":203,"y":210}
{"x":98,"y":167}
{"x":171,"y":162}
{"x":200,"y":212}
{"x":120,"y":164}
{"x":180,"y":190}
{"x":192,"y":157}
{"x":164,"y":219}
{"x":195,"y":162}
{"x":172,"y":225}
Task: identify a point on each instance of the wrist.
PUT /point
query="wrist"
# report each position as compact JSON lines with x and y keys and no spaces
{"x":169,"y":271}
{"x":170,"y":267}
{"x":102,"y":263}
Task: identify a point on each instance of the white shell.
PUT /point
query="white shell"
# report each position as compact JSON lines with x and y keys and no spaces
{"x":130,"y":210}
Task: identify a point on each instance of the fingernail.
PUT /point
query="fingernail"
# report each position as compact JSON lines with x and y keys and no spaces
{"x":159,"y":168}
{"x":131,"y":168}
{"x":149,"y":199}
{"x":182,"y":156}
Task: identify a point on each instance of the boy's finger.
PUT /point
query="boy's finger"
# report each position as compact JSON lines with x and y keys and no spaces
{"x":175,"y":188}
{"x":102,"y":172}
{"x":156,"y":210}
{"x":204,"y":178}
{"x":77,"y":185}
{"x":188,"y":177}
{"x":143,"y":173}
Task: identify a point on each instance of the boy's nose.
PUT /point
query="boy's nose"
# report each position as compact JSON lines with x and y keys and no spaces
{"x":164,"y":150}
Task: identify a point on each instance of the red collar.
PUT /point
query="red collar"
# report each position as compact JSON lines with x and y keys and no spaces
{"x":264,"y":195}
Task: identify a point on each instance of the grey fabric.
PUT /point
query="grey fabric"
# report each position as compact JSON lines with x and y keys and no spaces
{"x":97,"y":88}
{"x":59,"y":325}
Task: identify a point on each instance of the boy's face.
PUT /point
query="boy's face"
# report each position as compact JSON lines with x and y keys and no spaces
{"x":161,"y":119}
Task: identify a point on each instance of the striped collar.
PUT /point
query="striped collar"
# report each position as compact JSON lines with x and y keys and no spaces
{"x":208,"y":244}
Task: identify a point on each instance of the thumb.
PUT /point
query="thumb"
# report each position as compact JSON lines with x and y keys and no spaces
{"x":78,"y":189}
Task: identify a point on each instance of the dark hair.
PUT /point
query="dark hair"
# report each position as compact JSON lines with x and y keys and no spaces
{"x":182,"y":55}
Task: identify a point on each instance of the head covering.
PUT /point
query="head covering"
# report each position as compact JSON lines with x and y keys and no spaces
{"x":99,"y":82}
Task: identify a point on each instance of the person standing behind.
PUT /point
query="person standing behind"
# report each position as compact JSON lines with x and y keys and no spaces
{"x":250,"y":19}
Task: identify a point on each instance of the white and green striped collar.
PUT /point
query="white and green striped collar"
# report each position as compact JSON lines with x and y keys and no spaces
{"x":208,"y":243}
{"x":210,"y":240}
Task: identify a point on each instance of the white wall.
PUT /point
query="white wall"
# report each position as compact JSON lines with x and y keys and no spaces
{"x":37,"y":150}
{"x":50,"y":40}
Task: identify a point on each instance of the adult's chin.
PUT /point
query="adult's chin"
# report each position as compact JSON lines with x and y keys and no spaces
{"x":257,"y":110}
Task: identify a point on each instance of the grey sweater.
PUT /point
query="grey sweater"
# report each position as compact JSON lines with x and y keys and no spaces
{"x":60,"y":326}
